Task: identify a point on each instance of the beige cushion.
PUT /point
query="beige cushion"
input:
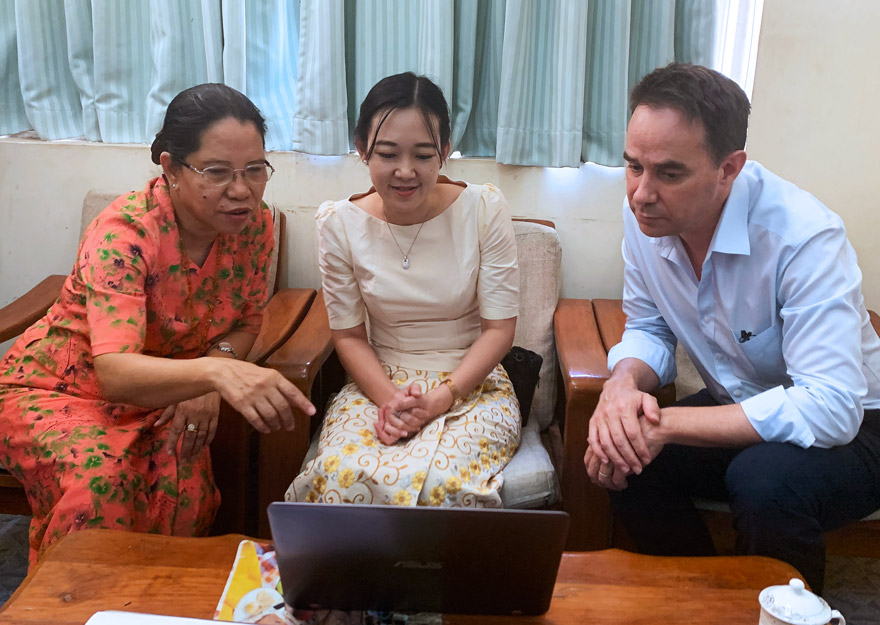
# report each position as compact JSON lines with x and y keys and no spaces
{"x":529,"y":478}
{"x":688,"y":380}
{"x":276,"y":234}
{"x":540,"y":257}
{"x":93,"y":204}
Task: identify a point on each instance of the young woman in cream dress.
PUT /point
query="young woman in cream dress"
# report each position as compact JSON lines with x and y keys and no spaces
{"x":421,"y":285}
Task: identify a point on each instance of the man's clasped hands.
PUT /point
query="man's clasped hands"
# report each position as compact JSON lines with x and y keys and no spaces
{"x":625,"y":434}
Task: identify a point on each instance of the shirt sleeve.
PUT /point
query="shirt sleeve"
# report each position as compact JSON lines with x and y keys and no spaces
{"x":260,"y":249}
{"x":342,"y":295}
{"x":821,"y":302}
{"x":113,"y":263}
{"x":498,"y":282}
{"x":647,"y":337}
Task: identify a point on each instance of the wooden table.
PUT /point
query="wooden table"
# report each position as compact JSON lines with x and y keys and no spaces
{"x":109,"y":570}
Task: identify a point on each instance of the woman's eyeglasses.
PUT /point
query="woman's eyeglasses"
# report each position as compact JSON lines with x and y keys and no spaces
{"x":221,"y":175}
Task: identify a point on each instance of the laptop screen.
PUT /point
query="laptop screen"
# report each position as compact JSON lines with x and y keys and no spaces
{"x":453,"y":560}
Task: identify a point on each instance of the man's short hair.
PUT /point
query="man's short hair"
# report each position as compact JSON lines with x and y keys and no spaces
{"x":703,"y":95}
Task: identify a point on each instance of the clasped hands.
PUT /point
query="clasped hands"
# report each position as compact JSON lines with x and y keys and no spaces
{"x":407,"y":412}
{"x":625,"y":435}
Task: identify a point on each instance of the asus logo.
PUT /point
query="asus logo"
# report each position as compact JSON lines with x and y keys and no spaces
{"x":415,"y":564}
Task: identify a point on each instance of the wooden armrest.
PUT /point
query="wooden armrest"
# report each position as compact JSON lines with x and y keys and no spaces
{"x":300,"y":358}
{"x":245,"y":482}
{"x":282,"y":315}
{"x":281,"y":453}
{"x":23,"y":312}
{"x":611,"y":321}
{"x":582,"y":361}
{"x":875,"y":320}
{"x":582,"y":356}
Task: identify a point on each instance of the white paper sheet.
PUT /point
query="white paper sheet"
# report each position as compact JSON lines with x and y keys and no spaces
{"x":112,"y":617}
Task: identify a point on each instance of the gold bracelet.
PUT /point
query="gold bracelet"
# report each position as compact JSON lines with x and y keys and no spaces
{"x":456,"y":396}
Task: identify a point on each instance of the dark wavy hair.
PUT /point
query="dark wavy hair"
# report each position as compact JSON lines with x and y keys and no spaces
{"x":703,"y":95}
{"x":193,"y":110}
{"x":402,"y":91}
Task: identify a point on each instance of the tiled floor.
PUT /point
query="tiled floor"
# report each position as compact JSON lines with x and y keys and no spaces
{"x":852,"y":585}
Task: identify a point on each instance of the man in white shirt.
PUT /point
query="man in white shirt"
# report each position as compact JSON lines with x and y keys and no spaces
{"x":758,"y":281}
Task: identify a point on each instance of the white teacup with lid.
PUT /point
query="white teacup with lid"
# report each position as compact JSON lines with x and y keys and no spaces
{"x":795,"y":605}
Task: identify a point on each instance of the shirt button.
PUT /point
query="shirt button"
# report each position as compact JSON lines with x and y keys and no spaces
{"x":737,"y":393}
{"x":706,"y":320}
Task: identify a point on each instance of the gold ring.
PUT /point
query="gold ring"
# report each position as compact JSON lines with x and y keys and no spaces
{"x":192,"y":427}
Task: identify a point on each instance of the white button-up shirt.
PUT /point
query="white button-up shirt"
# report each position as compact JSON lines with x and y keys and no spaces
{"x":777,"y":322}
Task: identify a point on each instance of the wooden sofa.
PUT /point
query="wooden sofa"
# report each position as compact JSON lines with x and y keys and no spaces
{"x":563,"y":331}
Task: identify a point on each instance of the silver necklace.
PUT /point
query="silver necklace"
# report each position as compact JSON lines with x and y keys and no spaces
{"x":405,"y":262}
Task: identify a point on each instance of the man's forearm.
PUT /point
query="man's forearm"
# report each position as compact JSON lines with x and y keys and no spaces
{"x":710,"y":426}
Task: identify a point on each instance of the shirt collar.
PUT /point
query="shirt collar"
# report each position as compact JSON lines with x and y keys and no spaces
{"x":732,"y":232}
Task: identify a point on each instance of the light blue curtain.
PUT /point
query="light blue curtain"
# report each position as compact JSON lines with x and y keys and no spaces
{"x":106,"y":70}
{"x":542,"y":83}
{"x":12,"y":112}
{"x":625,"y":41}
{"x":321,"y":118}
{"x":529,"y":82}
{"x":47,"y":86}
{"x":569,"y":67}
{"x":384,"y":37}
{"x":184,"y":48}
{"x":479,"y":45}
{"x":261,"y":40}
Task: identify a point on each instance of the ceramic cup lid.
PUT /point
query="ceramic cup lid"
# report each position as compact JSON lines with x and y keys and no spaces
{"x":795,"y":604}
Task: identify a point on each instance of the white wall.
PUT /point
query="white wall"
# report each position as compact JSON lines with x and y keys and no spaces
{"x":814,"y":112}
{"x":813,"y":122}
{"x":42,"y":185}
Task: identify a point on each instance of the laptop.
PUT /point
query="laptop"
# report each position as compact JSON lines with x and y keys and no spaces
{"x":452,"y":560}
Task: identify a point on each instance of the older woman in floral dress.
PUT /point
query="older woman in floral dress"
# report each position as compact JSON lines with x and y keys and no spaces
{"x":108,"y":403}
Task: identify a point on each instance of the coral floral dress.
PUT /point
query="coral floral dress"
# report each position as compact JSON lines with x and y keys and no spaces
{"x":86,"y":462}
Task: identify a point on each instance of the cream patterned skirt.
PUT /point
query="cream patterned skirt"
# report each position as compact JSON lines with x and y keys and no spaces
{"x":455,"y":460}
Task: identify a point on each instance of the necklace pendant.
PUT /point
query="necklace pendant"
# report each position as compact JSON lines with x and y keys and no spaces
{"x":405,"y":263}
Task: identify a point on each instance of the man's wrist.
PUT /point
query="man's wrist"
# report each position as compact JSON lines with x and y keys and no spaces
{"x":622,"y":380}
{"x":658,"y":432}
